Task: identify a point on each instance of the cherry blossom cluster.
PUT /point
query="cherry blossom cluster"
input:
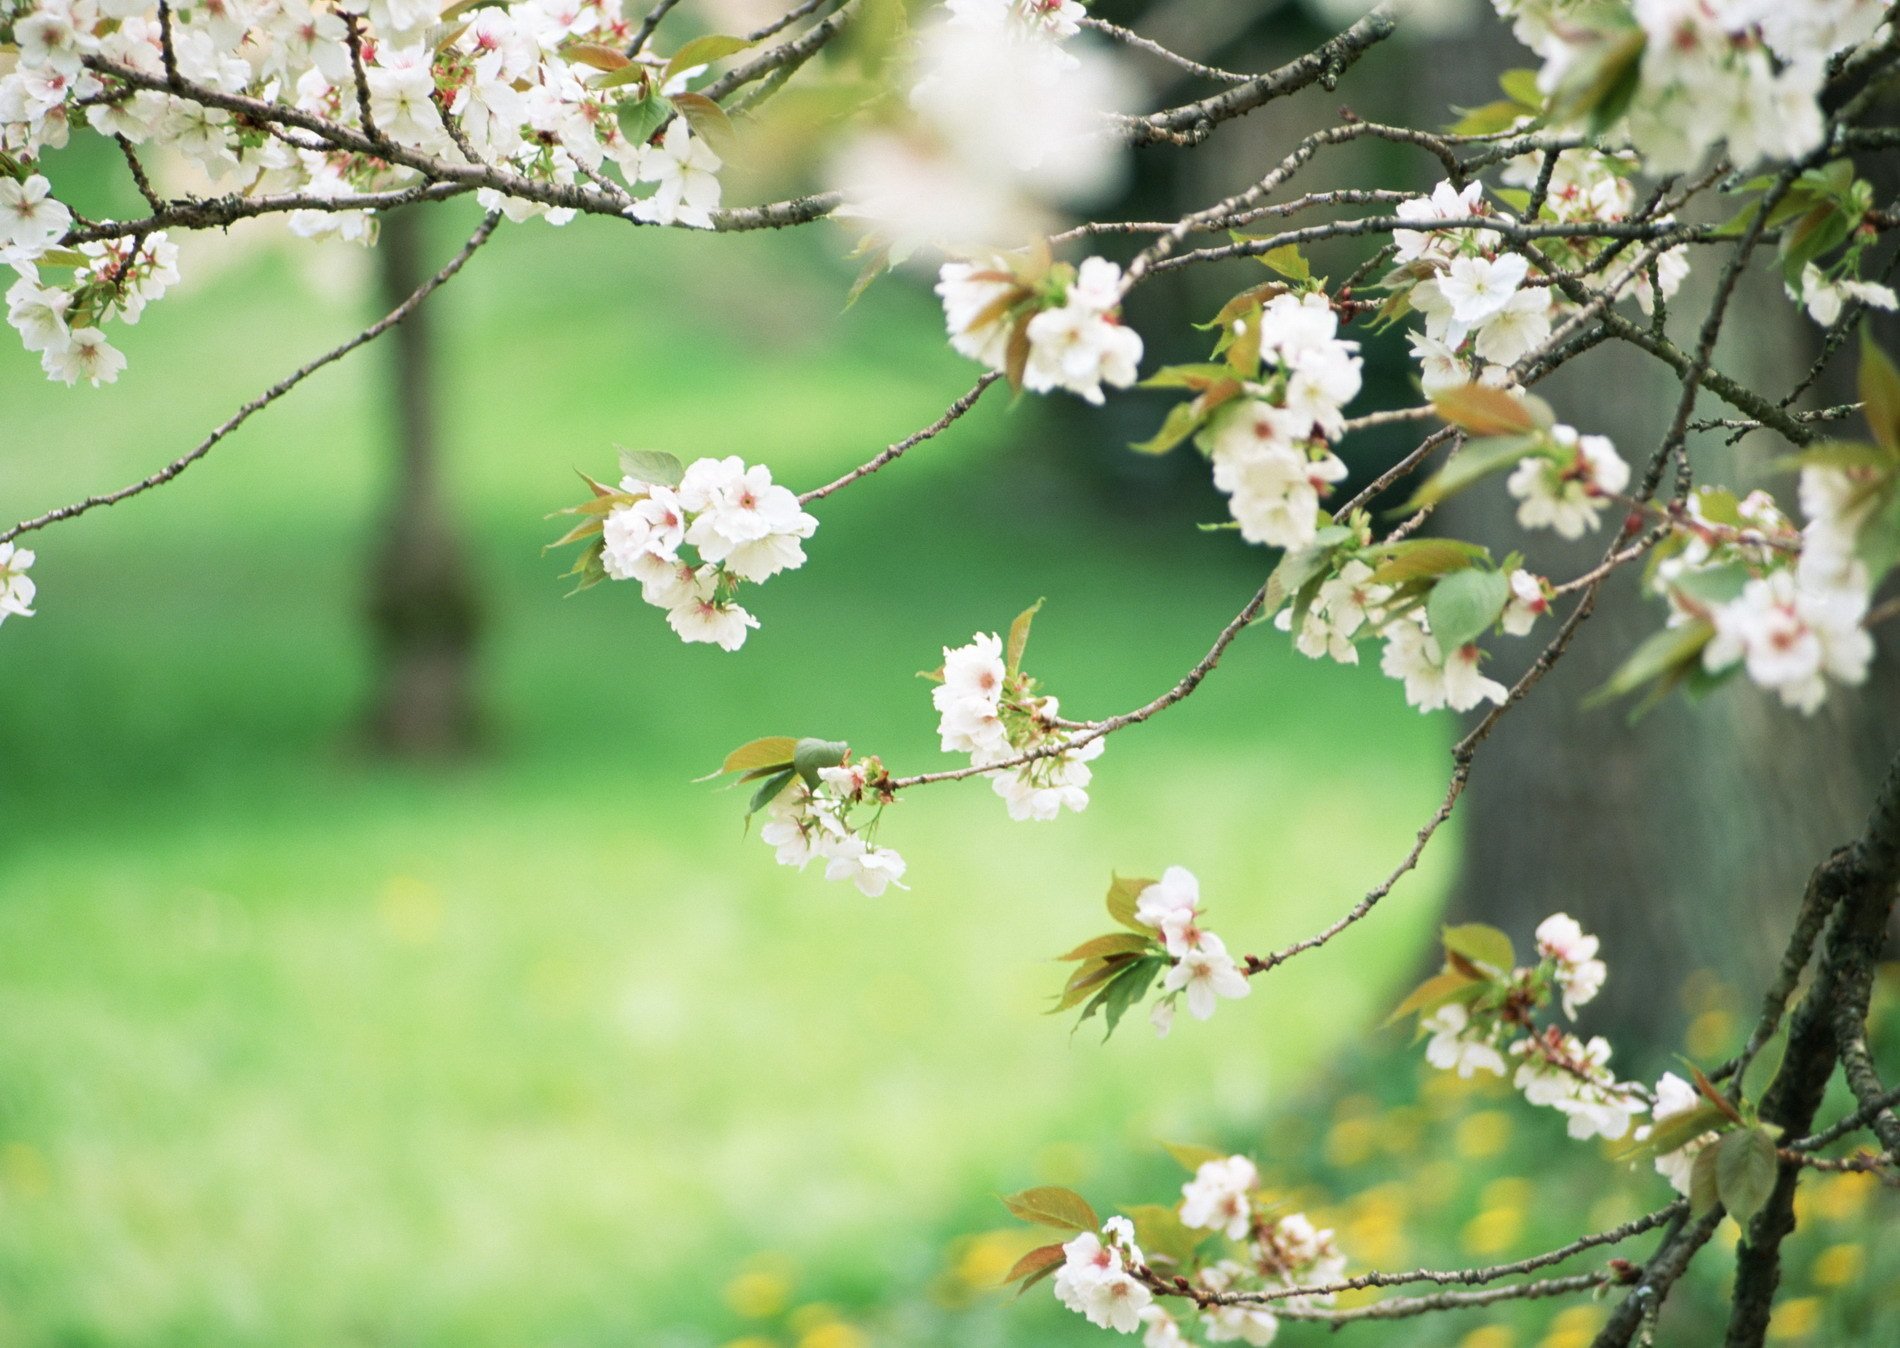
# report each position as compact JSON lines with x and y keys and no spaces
{"x":1428,"y":601}
{"x":1592,"y":187}
{"x":541,"y":89}
{"x":1271,"y":444}
{"x":833,"y":819}
{"x":989,"y":709}
{"x":1479,"y":1014}
{"x":690,"y":536}
{"x":1748,"y":592}
{"x":1480,"y":316}
{"x":16,"y":587}
{"x":1107,"y":1278}
{"x":1047,"y":325}
{"x":112,"y":278}
{"x":1202,"y":971}
{"x":1745,"y":73}
{"x":1484,"y":311}
{"x":1097,"y":1280}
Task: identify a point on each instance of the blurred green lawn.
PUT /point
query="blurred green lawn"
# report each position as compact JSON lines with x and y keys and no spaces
{"x":299,"y":1048}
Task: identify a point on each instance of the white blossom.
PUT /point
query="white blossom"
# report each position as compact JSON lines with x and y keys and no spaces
{"x":1218,"y":1198}
{"x":1568,"y":493}
{"x":16,"y":587}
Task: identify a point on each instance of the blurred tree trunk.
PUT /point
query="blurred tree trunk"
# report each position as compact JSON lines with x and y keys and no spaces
{"x":422,"y":607}
{"x":1683,"y":839}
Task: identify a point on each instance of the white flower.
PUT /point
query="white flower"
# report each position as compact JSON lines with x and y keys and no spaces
{"x":39,"y":314}
{"x":1479,"y":288}
{"x":1517,"y":329}
{"x":1080,"y":346}
{"x":1439,"y":367}
{"x":1793,"y":637}
{"x":1218,"y":1197}
{"x":701,"y":616}
{"x":1454,"y":1047}
{"x":86,"y":355}
{"x":1674,"y":1097}
{"x":1580,"y":973}
{"x":1043,"y":787}
{"x":1163,"y":1330}
{"x":653,"y":526}
{"x":1094,"y":1282}
{"x":1161,"y":1016}
{"x":1173,"y":899}
{"x":1526,"y":605}
{"x":1445,"y":203}
{"x":1825,"y":299}
{"x":16,"y":587}
{"x":1206,"y":972}
{"x":31,"y":221}
{"x":1431,"y":679}
{"x":1569,"y":493}
{"x":973,"y":309}
{"x":1235,"y":1323}
{"x":871,"y":869}
{"x":686,"y":170}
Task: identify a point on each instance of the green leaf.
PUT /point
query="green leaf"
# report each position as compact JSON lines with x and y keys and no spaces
{"x":641,"y":117}
{"x":1664,"y":654}
{"x":1038,"y":1264}
{"x":1678,"y":1130}
{"x":1052,"y":1205}
{"x":1704,"y":1191}
{"x":1123,"y":895}
{"x":1483,"y":945}
{"x":632,"y":73}
{"x":1196,"y":377}
{"x":1521,"y":86}
{"x":708,"y":121}
{"x":1183,"y":420}
{"x":1464,"y":604}
{"x":773,"y":751}
{"x":774,"y":783}
{"x":812,"y":754}
{"x":1018,"y":639}
{"x":1880,"y":391}
{"x":652,"y":466}
{"x":1127,"y":988}
{"x":702,"y":51}
{"x":1475,"y":462}
{"x":1191,"y":1156}
{"x":1423,"y":558}
{"x":1115,"y":943}
{"x":1745,"y":1171}
{"x":1289,"y":262}
{"x":1433,"y":993}
{"x":1879,"y":543}
{"x":1487,"y":120}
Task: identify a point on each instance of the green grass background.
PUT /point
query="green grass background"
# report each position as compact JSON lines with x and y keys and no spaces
{"x":300,"y":1048}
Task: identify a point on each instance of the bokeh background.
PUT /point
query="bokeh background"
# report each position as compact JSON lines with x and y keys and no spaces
{"x":305,"y":1039}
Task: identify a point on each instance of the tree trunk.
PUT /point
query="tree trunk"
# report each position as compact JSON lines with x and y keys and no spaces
{"x":422,"y":607}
